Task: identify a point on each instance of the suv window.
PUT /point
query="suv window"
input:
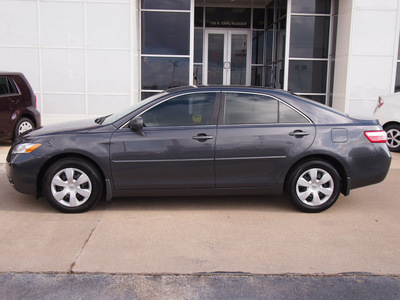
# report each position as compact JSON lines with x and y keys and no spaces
{"x":258,"y":109}
{"x":185,"y":110}
{"x":7,"y":86}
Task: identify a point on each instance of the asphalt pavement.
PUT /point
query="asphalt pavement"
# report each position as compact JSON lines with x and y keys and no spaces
{"x":247,"y":247}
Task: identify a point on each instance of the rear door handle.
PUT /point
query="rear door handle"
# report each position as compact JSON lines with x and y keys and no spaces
{"x":299,"y":133}
{"x":202,"y":137}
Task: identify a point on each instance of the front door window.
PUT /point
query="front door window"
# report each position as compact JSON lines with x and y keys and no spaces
{"x":227,"y":57}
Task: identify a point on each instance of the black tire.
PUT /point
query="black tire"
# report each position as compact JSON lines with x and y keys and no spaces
{"x":313,"y":186}
{"x":393,"y":141}
{"x":72,"y":185}
{"x":23,"y":124}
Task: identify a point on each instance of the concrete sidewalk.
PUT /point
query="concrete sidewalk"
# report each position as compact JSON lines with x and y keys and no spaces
{"x":253,"y":234}
{"x":202,"y":247}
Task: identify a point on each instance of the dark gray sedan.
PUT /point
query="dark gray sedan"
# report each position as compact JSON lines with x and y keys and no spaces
{"x":203,"y":141}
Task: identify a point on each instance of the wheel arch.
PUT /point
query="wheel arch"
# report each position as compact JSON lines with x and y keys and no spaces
{"x":21,"y":116}
{"x":55,"y":158}
{"x":345,"y":183}
{"x":390,"y":123}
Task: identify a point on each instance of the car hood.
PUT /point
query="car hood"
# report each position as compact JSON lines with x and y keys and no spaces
{"x":80,"y":126}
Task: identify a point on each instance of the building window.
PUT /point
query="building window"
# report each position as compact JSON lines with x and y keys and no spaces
{"x":311,"y":48}
{"x":165,"y":47}
{"x":275,"y":41}
{"x":397,"y":83}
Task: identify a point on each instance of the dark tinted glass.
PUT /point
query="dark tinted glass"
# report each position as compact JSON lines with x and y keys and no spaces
{"x":4,"y":86}
{"x":256,"y":76}
{"x":166,"y":4}
{"x":198,"y":45}
{"x":228,"y":17}
{"x":289,"y":115}
{"x":258,"y":18}
{"x":186,"y":110}
{"x":311,"y":6}
{"x":7,"y":86}
{"x":307,"y":76}
{"x":269,"y":39}
{"x":198,"y":16}
{"x":250,"y":109}
{"x":258,"y":47}
{"x":309,"y":37}
{"x":146,"y":95}
{"x":197,"y":74}
{"x":160,"y":73}
{"x":165,"y":33}
{"x":317,"y":98}
{"x":397,"y":85}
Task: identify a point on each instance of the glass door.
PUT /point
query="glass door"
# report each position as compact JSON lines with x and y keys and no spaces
{"x":227,"y":57}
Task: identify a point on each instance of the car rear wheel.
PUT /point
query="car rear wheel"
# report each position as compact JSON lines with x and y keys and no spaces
{"x":393,"y":137}
{"x":313,"y":186}
{"x":72,"y":185}
{"x":23,"y":124}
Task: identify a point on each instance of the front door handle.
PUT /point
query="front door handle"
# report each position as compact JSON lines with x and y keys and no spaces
{"x":202,"y":137}
{"x":299,"y":133}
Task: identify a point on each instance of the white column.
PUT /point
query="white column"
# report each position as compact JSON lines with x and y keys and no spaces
{"x":366,"y":53}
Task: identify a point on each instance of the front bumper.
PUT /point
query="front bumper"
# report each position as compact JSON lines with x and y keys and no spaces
{"x":22,"y":172}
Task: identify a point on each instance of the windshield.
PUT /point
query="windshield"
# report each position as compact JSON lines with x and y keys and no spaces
{"x":118,"y":115}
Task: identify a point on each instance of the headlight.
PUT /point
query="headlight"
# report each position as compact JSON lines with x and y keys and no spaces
{"x":25,"y":148}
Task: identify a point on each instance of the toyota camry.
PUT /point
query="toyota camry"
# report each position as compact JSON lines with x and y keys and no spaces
{"x":203,"y":141}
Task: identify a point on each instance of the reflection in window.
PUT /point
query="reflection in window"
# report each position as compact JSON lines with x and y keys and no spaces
{"x":258,"y":47}
{"x":165,"y":33}
{"x":160,"y":73}
{"x":256,"y":76}
{"x":309,"y":37}
{"x":250,"y":109}
{"x":307,"y":76}
{"x":289,"y":115}
{"x":186,"y":110}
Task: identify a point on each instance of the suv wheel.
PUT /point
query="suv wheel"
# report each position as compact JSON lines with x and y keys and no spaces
{"x":23,"y":124}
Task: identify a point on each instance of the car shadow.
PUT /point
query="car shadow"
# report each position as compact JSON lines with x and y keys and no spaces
{"x":201,"y":203}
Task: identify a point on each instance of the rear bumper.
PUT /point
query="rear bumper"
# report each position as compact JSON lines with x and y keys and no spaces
{"x":367,"y":170}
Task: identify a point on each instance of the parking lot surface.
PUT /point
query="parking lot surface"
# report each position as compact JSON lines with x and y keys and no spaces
{"x":187,"y":235}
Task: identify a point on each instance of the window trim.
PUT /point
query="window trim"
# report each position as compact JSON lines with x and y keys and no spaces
{"x":221,"y":119}
{"x":214,"y":117}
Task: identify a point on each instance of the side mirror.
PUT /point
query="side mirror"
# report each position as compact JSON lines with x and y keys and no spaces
{"x":137,"y":125}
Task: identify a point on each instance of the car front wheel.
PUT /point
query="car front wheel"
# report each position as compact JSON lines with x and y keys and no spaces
{"x":393,"y":137}
{"x":313,"y":186}
{"x":72,"y":185}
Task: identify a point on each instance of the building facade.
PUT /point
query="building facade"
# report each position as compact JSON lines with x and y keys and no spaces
{"x":87,"y":58}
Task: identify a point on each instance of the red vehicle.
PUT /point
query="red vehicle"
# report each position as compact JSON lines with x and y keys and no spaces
{"x":18,"y":106}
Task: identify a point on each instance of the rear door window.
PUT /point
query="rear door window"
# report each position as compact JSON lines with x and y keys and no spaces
{"x":242,"y":108}
{"x":7,"y":86}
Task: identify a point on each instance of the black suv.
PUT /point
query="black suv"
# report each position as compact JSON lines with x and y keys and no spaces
{"x":18,"y":106}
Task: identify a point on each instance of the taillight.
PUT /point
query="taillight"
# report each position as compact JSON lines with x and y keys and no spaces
{"x":35,"y":101}
{"x":378,"y":136}
{"x":379,"y":104}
